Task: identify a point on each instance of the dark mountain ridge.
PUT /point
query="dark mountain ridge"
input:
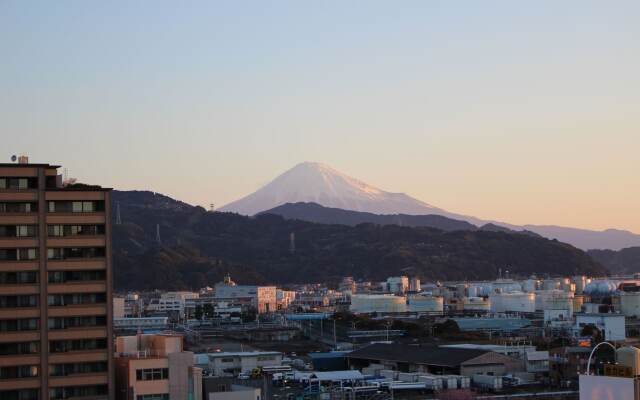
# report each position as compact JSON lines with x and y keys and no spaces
{"x":197,"y":247}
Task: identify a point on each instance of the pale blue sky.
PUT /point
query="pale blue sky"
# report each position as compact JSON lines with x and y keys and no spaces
{"x":514,"y":111}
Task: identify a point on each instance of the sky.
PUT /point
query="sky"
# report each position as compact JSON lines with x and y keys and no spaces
{"x":523,"y":112}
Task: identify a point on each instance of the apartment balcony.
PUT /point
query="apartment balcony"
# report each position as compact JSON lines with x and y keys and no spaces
{"x":19,"y":383}
{"x":19,"y":219}
{"x":10,"y":290}
{"x":97,"y":378}
{"x":17,"y":360}
{"x":15,"y":242}
{"x":78,"y":310}
{"x":77,"y":241}
{"x":18,"y":266}
{"x":77,"y":287}
{"x":19,"y":312}
{"x":76,"y":218}
{"x":74,"y":195}
{"x":79,"y":356}
{"x":22,"y":195}
{"x":76,"y":264}
{"x":78,"y":333}
{"x":19,"y":336}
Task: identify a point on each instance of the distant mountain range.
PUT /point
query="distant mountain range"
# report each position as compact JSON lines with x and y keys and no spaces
{"x":625,"y":261}
{"x":197,"y":247}
{"x":318,"y":183}
{"x":313,"y":212}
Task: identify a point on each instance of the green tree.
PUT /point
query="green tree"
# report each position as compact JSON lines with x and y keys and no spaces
{"x":198,"y":312}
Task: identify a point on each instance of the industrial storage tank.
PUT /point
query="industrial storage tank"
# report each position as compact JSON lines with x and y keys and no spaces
{"x":513,"y":302}
{"x":600,"y":288}
{"x":420,"y":303}
{"x":630,"y":357}
{"x":554,"y":300}
{"x":581,"y":283}
{"x":578,"y":301}
{"x":530,"y":285}
{"x":379,"y":303}
{"x":506,"y":286}
{"x":630,"y":304}
{"x":550,"y":284}
{"x":476,"y":304}
{"x":472,"y":291}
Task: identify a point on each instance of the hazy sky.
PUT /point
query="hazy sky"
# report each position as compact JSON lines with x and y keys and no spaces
{"x":525,"y":112}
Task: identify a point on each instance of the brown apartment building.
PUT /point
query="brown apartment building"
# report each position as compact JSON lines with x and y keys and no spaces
{"x":55,"y":287}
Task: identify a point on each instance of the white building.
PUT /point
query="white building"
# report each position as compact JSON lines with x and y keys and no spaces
{"x":171,"y":302}
{"x":262,"y":298}
{"x":611,"y":325}
{"x":234,"y":363}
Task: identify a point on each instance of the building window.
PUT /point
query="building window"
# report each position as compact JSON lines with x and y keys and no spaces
{"x":63,"y":346}
{"x":22,"y":254}
{"x":75,"y":230}
{"x":75,"y":206}
{"x":18,"y":207}
{"x":65,"y":253}
{"x":18,"y":301}
{"x":10,"y":349}
{"x":76,"y":322}
{"x":152,"y":374}
{"x":77,"y":368}
{"x":11,"y":231}
{"x":75,"y":299}
{"x":16,"y":278}
{"x":227,"y":360}
{"x":18,"y":183}
{"x":15,"y":325}
{"x":23,"y":371}
{"x":69,"y":392}
{"x":76,"y":276}
{"x":162,"y":396}
{"x":21,"y":394}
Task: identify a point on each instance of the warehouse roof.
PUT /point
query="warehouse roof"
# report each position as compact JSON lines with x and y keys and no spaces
{"x":426,"y":355}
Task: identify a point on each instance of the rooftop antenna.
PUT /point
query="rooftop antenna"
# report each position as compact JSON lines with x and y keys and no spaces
{"x":292,"y":242}
{"x":158,"y":234}
{"x":118,"y":218}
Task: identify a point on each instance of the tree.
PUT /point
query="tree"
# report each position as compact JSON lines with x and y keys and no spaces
{"x":198,"y":312}
{"x":208,"y":310}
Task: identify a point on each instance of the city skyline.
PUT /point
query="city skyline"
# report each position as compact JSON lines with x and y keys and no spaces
{"x":510,"y":112}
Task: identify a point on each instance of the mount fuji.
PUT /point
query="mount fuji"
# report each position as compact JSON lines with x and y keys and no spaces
{"x":311,"y":182}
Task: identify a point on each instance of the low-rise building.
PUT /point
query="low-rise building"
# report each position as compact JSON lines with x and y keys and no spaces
{"x":228,"y":364}
{"x":171,"y":302}
{"x":434,"y":360}
{"x":155,"y":367}
{"x":262,"y":298}
{"x":612,"y":326}
{"x":228,"y":389}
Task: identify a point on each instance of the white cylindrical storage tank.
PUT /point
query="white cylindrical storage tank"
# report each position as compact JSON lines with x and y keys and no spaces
{"x":554,"y":300}
{"x":550,"y":284}
{"x":630,"y":357}
{"x":472,"y":291}
{"x":476,"y":304}
{"x":530,"y":285}
{"x":581,"y":283}
{"x":506,"y":286}
{"x":513,"y":302}
{"x":630,"y":304}
{"x":419,"y":303}
{"x":379,"y":303}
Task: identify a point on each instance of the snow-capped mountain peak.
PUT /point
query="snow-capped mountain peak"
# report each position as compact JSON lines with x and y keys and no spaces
{"x":319,"y":183}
